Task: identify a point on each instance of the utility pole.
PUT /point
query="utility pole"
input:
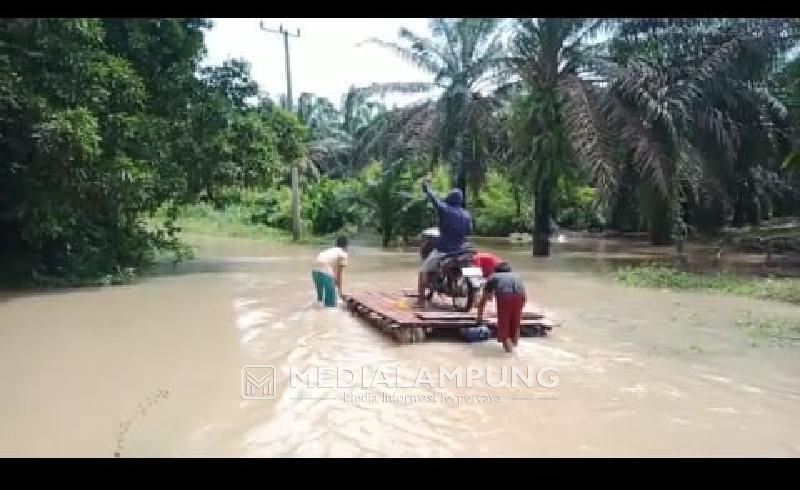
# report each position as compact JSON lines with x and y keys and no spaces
{"x":295,"y":178}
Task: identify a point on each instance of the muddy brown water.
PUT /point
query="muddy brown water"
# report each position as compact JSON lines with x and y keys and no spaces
{"x":155,"y":368}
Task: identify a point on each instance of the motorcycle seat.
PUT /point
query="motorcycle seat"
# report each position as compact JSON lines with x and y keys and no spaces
{"x":457,"y":253}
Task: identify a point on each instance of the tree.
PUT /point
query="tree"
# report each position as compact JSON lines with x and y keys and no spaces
{"x":103,"y":122}
{"x":554,"y":110}
{"x":229,"y":139}
{"x":319,"y":114}
{"x":358,"y":111}
{"x":462,"y":56}
{"x":79,"y":167}
{"x":332,"y":131}
{"x":165,"y":52}
{"x":328,"y":144}
{"x":786,"y":85}
{"x":393,"y":198}
{"x":693,"y":99}
{"x":672,"y":107}
{"x":255,"y":149}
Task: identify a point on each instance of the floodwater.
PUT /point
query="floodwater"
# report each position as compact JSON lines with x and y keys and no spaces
{"x":155,"y":368}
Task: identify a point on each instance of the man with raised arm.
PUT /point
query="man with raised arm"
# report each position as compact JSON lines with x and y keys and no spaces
{"x":455,"y":223}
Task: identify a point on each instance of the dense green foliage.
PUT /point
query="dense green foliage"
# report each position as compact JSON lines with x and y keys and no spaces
{"x":386,"y":198}
{"x":680,"y":124}
{"x":393,"y":199}
{"x":102,"y":122}
{"x":111,"y":129}
{"x":502,"y":208}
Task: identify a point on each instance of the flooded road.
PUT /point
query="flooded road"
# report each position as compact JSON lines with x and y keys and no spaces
{"x":155,"y":368}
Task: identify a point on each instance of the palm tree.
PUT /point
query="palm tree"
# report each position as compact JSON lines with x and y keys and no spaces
{"x":333,"y":131}
{"x":462,"y":57}
{"x":680,"y":95}
{"x":693,"y":106}
{"x":555,"y":110}
{"x":328,"y":145}
{"x":358,"y":111}
{"x":318,"y":113}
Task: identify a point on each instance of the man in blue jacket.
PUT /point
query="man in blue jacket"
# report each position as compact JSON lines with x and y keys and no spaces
{"x":455,"y":223}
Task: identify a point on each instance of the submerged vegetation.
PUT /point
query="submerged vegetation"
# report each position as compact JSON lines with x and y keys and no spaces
{"x":668,"y":277}
{"x":770,"y":331}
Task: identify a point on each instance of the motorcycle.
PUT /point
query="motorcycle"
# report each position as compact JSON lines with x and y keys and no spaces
{"x":457,"y":278}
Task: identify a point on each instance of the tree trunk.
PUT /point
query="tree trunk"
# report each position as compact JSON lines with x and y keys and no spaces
{"x":754,"y":212}
{"x":210,"y":193}
{"x":660,"y":223}
{"x":753,"y":204}
{"x":387,"y":235}
{"x":386,"y":220}
{"x":745,"y":205}
{"x":462,"y":184}
{"x":745,"y":210}
{"x":738,"y":210}
{"x":708,"y":216}
{"x":625,"y":213}
{"x":541,"y":233}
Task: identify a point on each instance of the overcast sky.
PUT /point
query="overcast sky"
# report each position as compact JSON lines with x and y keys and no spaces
{"x":324,"y":59}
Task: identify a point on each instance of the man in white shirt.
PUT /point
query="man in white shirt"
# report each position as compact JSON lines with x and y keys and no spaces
{"x":327,"y":271}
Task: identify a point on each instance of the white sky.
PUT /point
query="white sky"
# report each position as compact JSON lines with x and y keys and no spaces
{"x":324,"y":59}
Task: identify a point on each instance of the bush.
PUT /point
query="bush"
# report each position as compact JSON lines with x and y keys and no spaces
{"x":330,"y":205}
{"x":579,"y":208}
{"x":326,"y":206}
{"x":392,"y":197}
{"x":498,"y":212}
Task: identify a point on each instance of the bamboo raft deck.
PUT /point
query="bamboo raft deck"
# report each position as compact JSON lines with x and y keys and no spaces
{"x":395,"y":315}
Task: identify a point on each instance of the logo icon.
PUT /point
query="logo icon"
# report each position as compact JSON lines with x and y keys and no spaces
{"x":258,"y":383}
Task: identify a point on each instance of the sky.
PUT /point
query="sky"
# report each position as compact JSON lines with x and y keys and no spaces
{"x":324,"y":59}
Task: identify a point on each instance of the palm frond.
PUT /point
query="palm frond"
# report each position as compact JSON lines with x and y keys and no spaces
{"x":646,"y":88}
{"x":396,"y":87}
{"x":419,"y":59}
{"x":690,"y":170}
{"x":476,"y":38}
{"x":721,"y":127}
{"x":399,"y":132}
{"x":792,"y":161}
{"x":649,"y":151}
{"x":419,"y":44}
{"x":589,"y":134}
{"x":585,"y":29}
{"x":446,"y":29}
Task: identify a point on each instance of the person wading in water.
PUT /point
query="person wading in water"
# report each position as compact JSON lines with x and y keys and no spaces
{"x":508,"y":289}
{"x":328,"y":270}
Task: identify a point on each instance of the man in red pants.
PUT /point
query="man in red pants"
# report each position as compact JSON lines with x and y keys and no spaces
{"x":507,"y":288}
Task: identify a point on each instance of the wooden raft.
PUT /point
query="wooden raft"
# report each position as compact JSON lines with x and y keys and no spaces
{"x":395,"y":314}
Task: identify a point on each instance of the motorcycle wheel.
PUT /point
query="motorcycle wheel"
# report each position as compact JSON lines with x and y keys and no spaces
{"x":463,"y":295}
